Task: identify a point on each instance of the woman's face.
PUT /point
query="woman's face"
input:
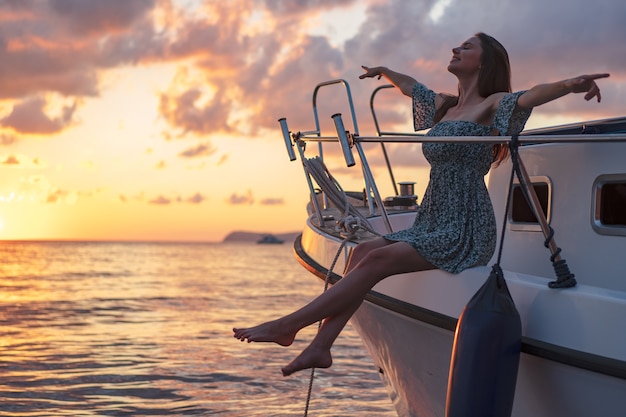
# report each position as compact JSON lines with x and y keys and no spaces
{"x":466,"y":58}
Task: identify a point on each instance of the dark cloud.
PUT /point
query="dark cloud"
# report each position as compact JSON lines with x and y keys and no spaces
{"x":296,"y":7}
{"x":29,"y":117}
{"x":95,"y":17}
{"x":59,"y":45}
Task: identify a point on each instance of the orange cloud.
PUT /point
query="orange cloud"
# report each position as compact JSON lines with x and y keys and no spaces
{"x":11,"y":160}
{"x":6,"y":139}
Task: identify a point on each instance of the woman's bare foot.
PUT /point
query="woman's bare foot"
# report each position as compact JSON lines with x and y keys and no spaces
{"x":311,"y":357}
{"x":272,"y":331}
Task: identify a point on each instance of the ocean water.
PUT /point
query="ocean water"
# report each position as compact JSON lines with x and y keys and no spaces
{"x":144,"y":329}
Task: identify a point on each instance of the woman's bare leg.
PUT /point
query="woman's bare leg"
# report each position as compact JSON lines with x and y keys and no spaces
{"x":283,"y":330}
{"x":378,"y":263}
{"x":317,"y":354}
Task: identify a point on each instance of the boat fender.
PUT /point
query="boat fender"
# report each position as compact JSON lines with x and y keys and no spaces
{"x":485,"y":355}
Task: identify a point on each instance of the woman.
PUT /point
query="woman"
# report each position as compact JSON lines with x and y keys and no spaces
{"x":454,"y":228}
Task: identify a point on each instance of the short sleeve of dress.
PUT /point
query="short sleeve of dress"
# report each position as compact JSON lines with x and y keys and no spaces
{"x":423,"y":107}
{"x":510,"y":119}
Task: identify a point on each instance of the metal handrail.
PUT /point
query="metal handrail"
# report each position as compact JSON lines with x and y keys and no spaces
{"x":292,"y":139}
{"x":350,"y":103}
{"x":523,"y":139}
{"x":348,"y":140}
{"x":379,"y":133}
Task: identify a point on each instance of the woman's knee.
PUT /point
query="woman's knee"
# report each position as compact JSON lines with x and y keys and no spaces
{"x":378,"y":258}
{"x":371,"y":245}
{"x":362,"y":250}
{"x":393,"y":259}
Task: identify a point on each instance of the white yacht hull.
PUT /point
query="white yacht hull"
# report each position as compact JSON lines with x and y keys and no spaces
{"x":414,"y":360}
{"x":573,"y":360}
{"x":573,"y":356}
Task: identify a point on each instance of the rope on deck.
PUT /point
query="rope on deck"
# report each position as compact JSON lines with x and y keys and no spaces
{"x":352,"y":219}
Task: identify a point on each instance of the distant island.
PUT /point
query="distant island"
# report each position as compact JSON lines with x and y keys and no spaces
{"x":240,"y":236}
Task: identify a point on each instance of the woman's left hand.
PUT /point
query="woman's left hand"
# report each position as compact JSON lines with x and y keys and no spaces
{"x":586,"y":84}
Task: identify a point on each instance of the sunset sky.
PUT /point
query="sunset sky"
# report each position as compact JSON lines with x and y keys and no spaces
{"x":157,"y":119}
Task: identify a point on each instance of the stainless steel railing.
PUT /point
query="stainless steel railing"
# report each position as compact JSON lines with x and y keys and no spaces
{"x":348,"y":140}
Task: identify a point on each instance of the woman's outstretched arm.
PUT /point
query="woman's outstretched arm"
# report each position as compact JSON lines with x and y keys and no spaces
{"x":402,"y":82}
{"x":544,"y":93}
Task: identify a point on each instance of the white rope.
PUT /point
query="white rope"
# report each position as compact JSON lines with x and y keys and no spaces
{"x":319,"y":324}
{"x":349,"y":224}
{"x":352,"y":219}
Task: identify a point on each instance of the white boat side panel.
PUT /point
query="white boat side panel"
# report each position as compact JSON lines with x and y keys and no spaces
{"x":564,"y":317}
{"x":415,"y":359}
{"x":594,"y":259}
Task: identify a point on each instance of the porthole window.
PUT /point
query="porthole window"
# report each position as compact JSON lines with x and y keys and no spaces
{"x":609,"y":205}
{"x":521,"y":215}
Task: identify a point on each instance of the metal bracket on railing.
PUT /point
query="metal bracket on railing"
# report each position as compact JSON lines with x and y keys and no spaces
{"x":287,"y":137}
{"x":565,"y":278}
{"x":291,"y":140}
{"x":346,"y":140}
{"x":367,"y":173}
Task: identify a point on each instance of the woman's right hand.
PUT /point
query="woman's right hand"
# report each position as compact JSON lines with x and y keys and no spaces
{"x":371,"y":72}
{"x":403,"y":82}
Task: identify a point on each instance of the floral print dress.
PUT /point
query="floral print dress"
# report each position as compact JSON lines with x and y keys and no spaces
{"x":455,"y":227}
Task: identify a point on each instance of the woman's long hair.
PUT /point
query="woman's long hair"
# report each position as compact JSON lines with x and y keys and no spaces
{"x":493,"y":77}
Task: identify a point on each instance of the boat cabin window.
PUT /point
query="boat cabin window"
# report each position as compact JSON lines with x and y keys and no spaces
{"x":521,"y":216}
{"x":609,"y":211}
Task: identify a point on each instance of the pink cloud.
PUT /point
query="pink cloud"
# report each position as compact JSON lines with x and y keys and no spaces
{"x":29,"y":117}
{"x":63,"y":45}
{"x":238,"y":199}
{"x":197,"y":151}
{"x":94,"y":18}
{"x":183,"y":112}
{"x":196,"y":199}
{"x":160,"y":201}
{"x":272,"y":202}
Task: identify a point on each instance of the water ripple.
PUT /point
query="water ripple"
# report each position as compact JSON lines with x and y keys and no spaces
{"x":144,"y":330}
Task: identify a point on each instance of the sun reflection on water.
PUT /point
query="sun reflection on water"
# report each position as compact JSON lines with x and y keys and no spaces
{"x":145,"y":329}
